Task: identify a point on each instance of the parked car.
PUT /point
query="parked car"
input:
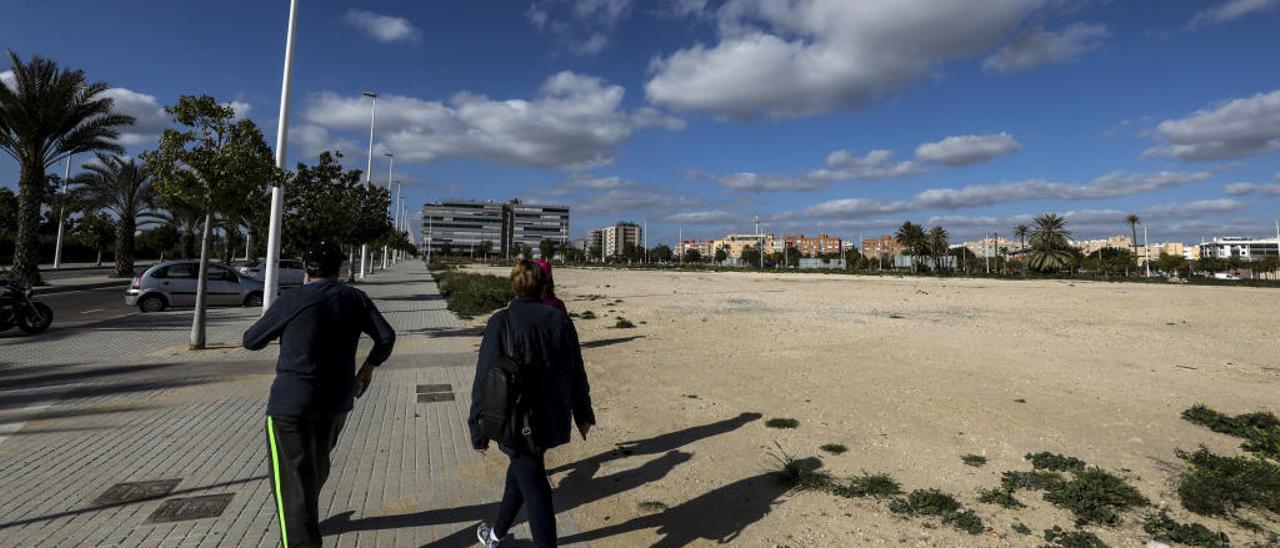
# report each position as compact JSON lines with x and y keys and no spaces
{"x":173,"y":283}
{"x":290,"y":271}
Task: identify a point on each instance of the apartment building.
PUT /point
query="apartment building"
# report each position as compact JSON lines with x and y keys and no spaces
{"x":465,"y":225}
{"x":733,"y":244}
{"x":1249,"y":249}
{"x":816,"y":246}
{"x":703,"y":247}
{"x":611,"y":240}
{"x":884,"y":245}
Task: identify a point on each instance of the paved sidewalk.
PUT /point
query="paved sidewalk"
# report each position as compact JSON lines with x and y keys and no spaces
{"x":84,"y":410}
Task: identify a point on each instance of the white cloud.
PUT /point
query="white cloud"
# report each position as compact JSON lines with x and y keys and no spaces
{"x":150,"y":119}
{"x":1232,"y":129}
{"x":311,"y":140}
{"x":581,"y":25}
{"x":6,"y":78}
{"x":705,"y":217}
{"x":383,"y":28}
{"x":579,"y":184}
{"x":1111,"y":185}
{"x":635,"y":200}
{"x":1190,"y":210}
{"x":1230,"y":11}
{"x":1241,"y":189}
{"x":240,"y":107}
{"x":574,"y":123}
{"x":686,"y":8}
{"x":842,"y":165}
{"x":803,"y":57}
{"x":1036,"y":47}
{"x":965,"y":150}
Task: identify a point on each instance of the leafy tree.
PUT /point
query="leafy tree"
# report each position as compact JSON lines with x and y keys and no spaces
{"x":547,"y":248}
{"x":46,"y":114}
{"x":596,"y":253}
{"x":318,"y":204}
{"x":661,"y":253}
{"x":750,"y":255}
{"x":122,"y":187}
{"x":1108,"y":260}
{"x":632,"y":253}
{"x":721,"y":255}
{"x":912,"y":238}
{"x":793,"y":256}
{"x":213,"y":162}
{"x":158,"y":242}
{"x":1051,"y":250}
{"x":485,"y":248}
{"x":97,"y":231}
{"x":446,"y":249}
{"x":1170,"y":264}
{"x":692,"y":256}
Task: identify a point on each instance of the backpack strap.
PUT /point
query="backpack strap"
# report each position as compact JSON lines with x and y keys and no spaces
{"x":508,"y":337}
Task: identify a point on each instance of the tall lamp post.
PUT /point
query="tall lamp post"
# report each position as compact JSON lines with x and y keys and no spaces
{"x":368,"y":172}
{"x":390,"y":170}
{"x":272,"y":277}
{"x":62,"y":221}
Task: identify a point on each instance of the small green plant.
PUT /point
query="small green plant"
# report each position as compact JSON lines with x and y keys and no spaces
{"x":1214,"y":485}
{"x":651,"y":506}
{"x":1045,"y":460}
{"x":932,"y":502}
{"x":1058,"y":538}
{"x":869,"y":485}
{"x":1001,"y":497}
{"x":803,"y":474}
{"x":1260,"y":430}
{"x":623,"y":323}
{"x":1095,"y":496}
{"x":1166,"y":529}
{"x":1022,"y":528}
{"x":469,"y":295}
{"x":974,"y":460}
{"x":588,"y":315}
{"x":782,"y":423}
{"x":834,"y":448}
{"x":1037,"y":480}
{"x":691,"y":396}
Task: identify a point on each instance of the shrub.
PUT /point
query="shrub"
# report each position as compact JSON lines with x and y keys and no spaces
{"x":782,"y":423}
{"x":588,"y":315}
{"x":1022,"y":528}
{"x":869,"y":485}
{"x":1095,"y":496}
{"x":1015,"y":480}
{"x":803,"y":474}
{"x":834,"y":448}
{"x":1058,"y":538}
{"x":1045,"y":460}
{"x":469,"y":295}
{"x":623,"y":323}
{"x":1002,"y":497}
{"x":1214,"y":485}
{"x":932,"y":502}
{"x":1166,"y":529}
{"x":1261,"y":430}
{"x":974,"y":460}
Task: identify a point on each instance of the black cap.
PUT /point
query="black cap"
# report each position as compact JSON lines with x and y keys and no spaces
{"x":324,"y":259}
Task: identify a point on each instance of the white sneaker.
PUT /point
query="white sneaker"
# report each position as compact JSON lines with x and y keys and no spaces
{"x":485,"y":534}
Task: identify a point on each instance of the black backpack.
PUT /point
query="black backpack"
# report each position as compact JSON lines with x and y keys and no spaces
{"x":505,"y":410}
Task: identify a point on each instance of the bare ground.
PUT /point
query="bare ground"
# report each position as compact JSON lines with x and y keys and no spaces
{"x":910,"y":374}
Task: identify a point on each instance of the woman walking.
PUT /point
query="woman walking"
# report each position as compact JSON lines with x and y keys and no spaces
{"x":542,"y":343}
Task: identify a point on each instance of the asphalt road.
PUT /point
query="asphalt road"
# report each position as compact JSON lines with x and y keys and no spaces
{"x":88,"y":305}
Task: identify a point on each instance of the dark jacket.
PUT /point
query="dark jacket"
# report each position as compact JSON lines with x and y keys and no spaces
{"x":546,"y":345}
{"x":319,"y":326}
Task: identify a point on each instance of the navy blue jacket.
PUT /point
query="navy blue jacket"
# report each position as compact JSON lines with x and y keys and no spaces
{"x":546,"y":345}
{"x":319,"y":326}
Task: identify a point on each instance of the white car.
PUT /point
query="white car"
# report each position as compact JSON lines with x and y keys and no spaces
{"x":290,"y":271}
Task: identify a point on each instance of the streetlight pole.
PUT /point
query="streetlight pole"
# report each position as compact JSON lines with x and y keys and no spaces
{"x":1146,"y":245}
{"x":394,"y":206}
{"x":368,"y":172}
{"x":62,"y":211}
{"x":272,"y":277}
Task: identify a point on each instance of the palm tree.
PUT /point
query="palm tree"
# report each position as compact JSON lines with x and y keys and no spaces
{"x":1133,"y":220}
{"x":1050,"y":248}
{"x":938,"y":239}
{"x":912,"y":238}
{"x":1021,"y":232}
{"x":122,"y":187}
{"x":183,"y":217}
{"x":45,"y":115}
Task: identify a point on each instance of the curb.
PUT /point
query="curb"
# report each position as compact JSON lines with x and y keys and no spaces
{"x":80,"y":287}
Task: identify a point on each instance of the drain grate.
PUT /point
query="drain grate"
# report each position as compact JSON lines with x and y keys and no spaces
{"x":437,"y":396}
{"x":205,"y":506}
{"x":121,"y":493}
{"x":430,"y":388}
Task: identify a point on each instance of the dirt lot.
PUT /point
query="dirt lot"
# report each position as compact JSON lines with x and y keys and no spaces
{"x":910,"y":374}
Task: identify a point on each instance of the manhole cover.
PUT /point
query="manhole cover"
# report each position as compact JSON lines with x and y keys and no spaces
{"x":121,"y":493}
{"x":205,"y":506}
{"x":436,"y":396}
{"x":431,"y":388}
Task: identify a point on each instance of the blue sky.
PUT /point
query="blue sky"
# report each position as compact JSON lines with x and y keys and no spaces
{"x":838,"y":116}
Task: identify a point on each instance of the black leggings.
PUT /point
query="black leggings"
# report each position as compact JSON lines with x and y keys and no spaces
{"x":527,"y":485}
{"x":298,"y":457}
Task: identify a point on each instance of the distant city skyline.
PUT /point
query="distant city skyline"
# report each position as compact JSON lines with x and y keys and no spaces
{"x":836,"y":117}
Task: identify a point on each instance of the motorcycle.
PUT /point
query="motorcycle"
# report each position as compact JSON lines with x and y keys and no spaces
{"x":18,"y":307}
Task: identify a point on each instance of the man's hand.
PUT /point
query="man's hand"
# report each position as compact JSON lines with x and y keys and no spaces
{"x":583,"y":429}
{"x":483,"y":449}
{"x":364,"y":378}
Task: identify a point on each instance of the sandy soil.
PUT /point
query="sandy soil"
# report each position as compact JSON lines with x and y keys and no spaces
{"x":910,"y":374}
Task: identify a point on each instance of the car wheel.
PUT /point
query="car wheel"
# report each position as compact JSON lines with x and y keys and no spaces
{"x":254,"y":299}
{"x":152,"y":303}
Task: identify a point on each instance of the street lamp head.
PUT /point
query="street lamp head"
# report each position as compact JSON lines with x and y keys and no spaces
{"x":389,"y":155}
{"x":369,"y":94}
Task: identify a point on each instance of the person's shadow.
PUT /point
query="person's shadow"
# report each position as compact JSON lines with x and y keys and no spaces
{"x":719,"y":515}
{"x":580,"y":486}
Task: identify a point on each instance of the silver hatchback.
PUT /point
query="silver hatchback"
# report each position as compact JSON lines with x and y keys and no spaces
{"x":291,"y":273}
{"x":173,"y":283}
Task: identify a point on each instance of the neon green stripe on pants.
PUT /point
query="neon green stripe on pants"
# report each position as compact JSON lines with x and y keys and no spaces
{"x":275,"y":470}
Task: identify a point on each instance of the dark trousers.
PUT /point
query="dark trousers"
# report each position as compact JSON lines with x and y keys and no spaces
{"x":527,"y":486}
{"x":298,"y":455}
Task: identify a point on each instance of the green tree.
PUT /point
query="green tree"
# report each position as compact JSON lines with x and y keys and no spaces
{"x":1170,"y":264}
{"x":661,"y":253}
{"x":213,"y":162}
{"x":1133,"y":221}
{"x":547,"y":248}
{"x":692,"y":256}
{"x":122,"y":187}
{"x":792,"y":256}
{"x":318,"y":204}
{"x":485,"y":248}
{"x":750,"y":256}
{"x":46,"y":114}
{"x":1051,"y":249}
{"x":912,"y":238}
{"x":96,"y":231}
{"x":721,"y":255}
{"x":632,"y":253}
{"x":937,"y":241}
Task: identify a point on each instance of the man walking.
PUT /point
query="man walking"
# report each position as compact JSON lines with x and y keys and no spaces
{"x":319,"y":325}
